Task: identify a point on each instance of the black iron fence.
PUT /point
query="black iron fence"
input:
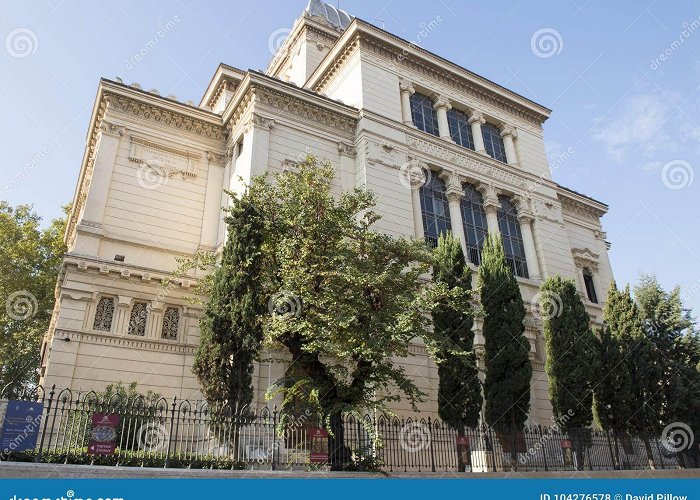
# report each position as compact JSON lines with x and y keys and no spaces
{"x":173,"y":433}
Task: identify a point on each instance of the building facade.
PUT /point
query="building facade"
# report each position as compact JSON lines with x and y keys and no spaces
{"x":442,"y":147}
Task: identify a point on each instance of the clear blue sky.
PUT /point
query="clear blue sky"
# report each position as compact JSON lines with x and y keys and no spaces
{"x":624,"y":112}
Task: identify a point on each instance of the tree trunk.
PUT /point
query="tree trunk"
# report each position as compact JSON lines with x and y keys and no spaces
{"x":650,"y":454}
{"x":338,"y":454}
{"x":578,"y":447}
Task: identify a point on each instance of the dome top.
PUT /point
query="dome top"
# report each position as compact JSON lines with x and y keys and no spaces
{"x":337,"y":18}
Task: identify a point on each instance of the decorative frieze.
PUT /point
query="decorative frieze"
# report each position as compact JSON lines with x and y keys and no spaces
{"x":151,"y":112}
{"x":164,"y":160}
{"x":579,"y":209}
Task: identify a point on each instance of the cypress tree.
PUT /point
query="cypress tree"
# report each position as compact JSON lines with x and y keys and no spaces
{"x":231,"y":330}
{"x":625,"y":323}
{"x":459,"y":388}
{"x":571,"y":355}
{"x":508,"y":367}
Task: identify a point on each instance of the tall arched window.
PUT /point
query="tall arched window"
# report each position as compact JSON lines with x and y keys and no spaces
{"x":512,"y":237}
{"x":590,"y":286}
{"x":493,"y":142}
{"x":460,"y":130}
{"x":434,"y":208}
{"x":474,"y":220}
{"x":423,"y":114}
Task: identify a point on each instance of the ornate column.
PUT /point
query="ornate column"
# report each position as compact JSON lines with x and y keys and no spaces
{"x":155,"y":320}
{"x":526,"y":218}
{"x":476,"y":119}
{"x":442,"y":105}
{"x":491,"y":206}
{"x":407,"y":91}
{"x":509,"y":134}
{"x":122,"y":314}
{"x":256,"y":144}
{"x":455,"y":193}
{"x":417,"y":179}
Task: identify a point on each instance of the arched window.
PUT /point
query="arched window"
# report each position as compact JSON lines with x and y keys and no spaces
{"x":474,"y":220}
{"x":434,"y":208}
{"x":104,"y":312}
{"x":460,"y":130}
{"x":512,"y":237}
{"x":171,"y":321}
{"x":423,"y":114}
{"x":137,"y":320}
{"x":493,"y":142}
{"x":590,"y":286}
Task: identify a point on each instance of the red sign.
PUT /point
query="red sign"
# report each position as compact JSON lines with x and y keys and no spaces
{"x":565,"y":443}
{"x":103,"y":437}
{"x":318,"y":445}
{"x":463,"y":441}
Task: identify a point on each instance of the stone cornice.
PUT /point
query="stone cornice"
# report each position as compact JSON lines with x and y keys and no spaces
{"x":281,"y":99}
{"x":126,"y":341}
{"x":400,"y":52}
{"x":580,"y":207}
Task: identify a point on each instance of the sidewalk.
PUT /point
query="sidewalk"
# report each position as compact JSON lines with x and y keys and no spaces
{"x":60,"y":471}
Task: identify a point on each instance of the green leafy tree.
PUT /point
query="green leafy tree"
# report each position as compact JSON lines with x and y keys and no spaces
{"x":346,"y":301}
{"x":508,"y":367}
{"x":670,"y":328}
{"x":623,"y":319}
{"x":231,"y":330}
{"x":571,"y":357}
{"x":459,"y":387}
{"x":30,"y":259}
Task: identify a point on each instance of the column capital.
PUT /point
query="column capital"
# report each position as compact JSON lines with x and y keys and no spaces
{"x":407,"y":86}
{"x":440,"y":101}
{"x":508,"y":130}
{"x":526,"y":217}
{"x":452,"y":180}
{"x":476,"y":117}
{"x":347,"y":149}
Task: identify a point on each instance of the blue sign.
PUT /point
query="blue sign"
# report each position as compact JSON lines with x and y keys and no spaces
{"x":21,"y":426}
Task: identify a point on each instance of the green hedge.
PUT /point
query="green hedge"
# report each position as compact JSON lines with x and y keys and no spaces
{"x":128,"y":459}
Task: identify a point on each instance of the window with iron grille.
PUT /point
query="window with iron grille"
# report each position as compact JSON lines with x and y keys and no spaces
{"x":104,"y":312}
{"x":590,"y":286}
{"x":138,"y":318}
{"x":474,"y":221}
{"x":512,"y":237}
{"x":460,"y":130}
{"x":171,"y":321}
{"x":423,"y":114}
{"x":493,"y":143}
{"x":434,"y":209}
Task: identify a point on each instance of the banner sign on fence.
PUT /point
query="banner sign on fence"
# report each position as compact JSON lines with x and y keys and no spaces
{"x":567,"y":452}
{"x":21,"y":426}
{"x":464,"y":455}
{"x":103,"y":438}
{"x":318,"y":444}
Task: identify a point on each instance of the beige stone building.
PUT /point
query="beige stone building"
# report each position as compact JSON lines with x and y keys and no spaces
{"x":380,"y":108}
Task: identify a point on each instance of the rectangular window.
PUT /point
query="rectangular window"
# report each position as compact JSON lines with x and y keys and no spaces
{"x":460,"y":130}
{"x":423,"y":114}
